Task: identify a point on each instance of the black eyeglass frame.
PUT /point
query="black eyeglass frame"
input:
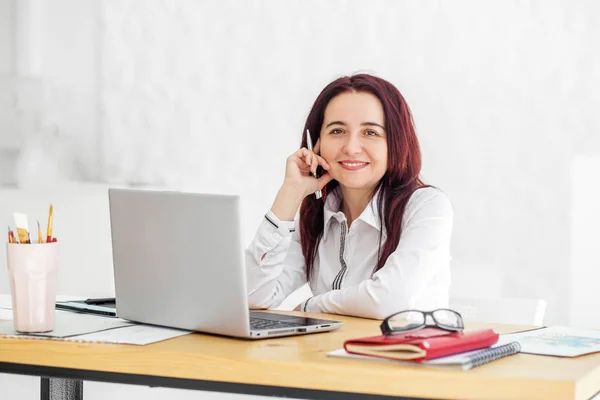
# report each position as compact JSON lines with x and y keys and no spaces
{"x":387,"y":330}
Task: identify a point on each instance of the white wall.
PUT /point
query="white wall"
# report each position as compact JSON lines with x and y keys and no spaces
{"x":500,"y":91}
{"x":585,"y":258}
{"x":6,"y":37}
{"x":211,"y":96}
{"x":69,"y":55}
{"x":7,"y":61}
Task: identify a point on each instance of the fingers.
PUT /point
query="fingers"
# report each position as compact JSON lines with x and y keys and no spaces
{"x":324,"y":180}
{"x":301,"y":153}
{"x":315,"y":160}
{"x":303,"y":156}
{"x":310,"y":161}
{"x":322,"y":162}
{"x":314,"y":163}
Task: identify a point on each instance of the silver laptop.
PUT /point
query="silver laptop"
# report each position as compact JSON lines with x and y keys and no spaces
{"x":179,"y":262}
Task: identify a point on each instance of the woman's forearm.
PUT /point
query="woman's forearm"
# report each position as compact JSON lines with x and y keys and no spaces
{"x":287,"y":202}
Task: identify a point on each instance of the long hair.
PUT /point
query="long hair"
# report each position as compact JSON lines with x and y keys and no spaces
{"x":395,"y":187}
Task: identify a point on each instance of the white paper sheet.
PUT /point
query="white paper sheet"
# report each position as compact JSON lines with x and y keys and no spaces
{"x":135,"y":334}
{"x":558,"y":341}
{"x":6,"y":314}
{"x":79,"y":327}
{"x":69,"y":324}
{"x":5,"y":301}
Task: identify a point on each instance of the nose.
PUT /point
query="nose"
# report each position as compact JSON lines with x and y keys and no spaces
{"x":352,"y":145}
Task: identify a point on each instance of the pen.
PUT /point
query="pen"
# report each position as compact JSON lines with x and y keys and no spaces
{"x":85,"y":309}
{"x":318,"y":193}
{"x":100,"y":301}
{"x":49,"y":232}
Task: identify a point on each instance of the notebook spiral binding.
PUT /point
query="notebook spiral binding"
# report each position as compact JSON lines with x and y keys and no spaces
{"x":488,"y":355}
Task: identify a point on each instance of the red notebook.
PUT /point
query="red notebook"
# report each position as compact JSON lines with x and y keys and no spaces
{"x":424,"y":344}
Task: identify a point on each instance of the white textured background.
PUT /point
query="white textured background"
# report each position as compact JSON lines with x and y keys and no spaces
{"x":211,"y":96}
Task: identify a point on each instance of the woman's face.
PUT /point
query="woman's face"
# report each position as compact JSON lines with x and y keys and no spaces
{"x":353,"y":140}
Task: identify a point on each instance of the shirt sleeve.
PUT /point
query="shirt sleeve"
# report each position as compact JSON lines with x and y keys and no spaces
{"x":422,"y":254}
{"x":274,"y":263}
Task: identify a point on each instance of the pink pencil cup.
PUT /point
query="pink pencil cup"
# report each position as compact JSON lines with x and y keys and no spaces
{"x":33,"y":272}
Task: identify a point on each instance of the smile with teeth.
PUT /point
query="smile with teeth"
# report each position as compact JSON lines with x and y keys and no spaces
{"x":354,"y":165}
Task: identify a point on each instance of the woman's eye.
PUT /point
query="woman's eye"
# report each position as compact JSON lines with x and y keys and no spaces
{"x":336,"y":131}
{"x":372,"y":133}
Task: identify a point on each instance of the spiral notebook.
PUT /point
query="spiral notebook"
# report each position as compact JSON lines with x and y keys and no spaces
{"x":463,"y":361}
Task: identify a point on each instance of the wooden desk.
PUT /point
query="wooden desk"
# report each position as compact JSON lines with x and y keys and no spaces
{"x":298,"y":367}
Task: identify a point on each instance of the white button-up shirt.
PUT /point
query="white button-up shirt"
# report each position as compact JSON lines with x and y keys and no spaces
{"x":415,"y":276}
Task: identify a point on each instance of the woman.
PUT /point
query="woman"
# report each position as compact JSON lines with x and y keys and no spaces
{"x":378,"y":241}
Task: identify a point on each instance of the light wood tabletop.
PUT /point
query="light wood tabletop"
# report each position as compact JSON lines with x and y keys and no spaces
{"x":300,"y":362}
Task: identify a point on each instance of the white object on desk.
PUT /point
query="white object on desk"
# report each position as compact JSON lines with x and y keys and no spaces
{"x":557,"y":341}
{"x":102,"y":330}
{"x":68,"y":324}
{"x":133,"y":334}
{"x":120,"y":331}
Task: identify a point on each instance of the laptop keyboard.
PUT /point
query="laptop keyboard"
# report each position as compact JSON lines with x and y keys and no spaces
{"x":259,"y":323}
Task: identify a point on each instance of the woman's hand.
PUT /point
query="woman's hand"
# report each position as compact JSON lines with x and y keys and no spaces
{"x":299,"y":182}
{"x":300,"y":168}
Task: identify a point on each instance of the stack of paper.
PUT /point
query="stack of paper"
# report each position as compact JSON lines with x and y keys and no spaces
{"x":72,"y":326}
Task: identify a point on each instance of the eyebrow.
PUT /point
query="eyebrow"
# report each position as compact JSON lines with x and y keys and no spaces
{"x":363,"y":124}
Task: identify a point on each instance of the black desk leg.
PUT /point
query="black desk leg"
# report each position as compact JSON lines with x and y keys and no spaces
{"x":61,"y":389}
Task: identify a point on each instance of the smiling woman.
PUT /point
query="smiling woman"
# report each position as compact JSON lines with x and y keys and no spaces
{"x":354,"y":140}
{"x":378,"y":240}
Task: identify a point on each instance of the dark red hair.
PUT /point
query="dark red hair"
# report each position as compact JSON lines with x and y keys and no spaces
{"x":398,"y":183}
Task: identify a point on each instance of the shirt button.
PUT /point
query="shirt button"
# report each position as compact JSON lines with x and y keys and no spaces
{"x":276,"y":236}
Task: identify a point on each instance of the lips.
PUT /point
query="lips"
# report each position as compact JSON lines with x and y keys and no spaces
{"x":353,"y":165}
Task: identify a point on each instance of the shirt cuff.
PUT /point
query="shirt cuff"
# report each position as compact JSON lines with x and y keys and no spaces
{"x":285,"y":227}
{"x":306,"y":305}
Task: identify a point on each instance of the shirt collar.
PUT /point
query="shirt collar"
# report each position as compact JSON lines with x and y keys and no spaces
{"x":370,"y":214}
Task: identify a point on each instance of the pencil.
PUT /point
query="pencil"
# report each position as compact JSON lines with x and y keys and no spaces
{"x":11,"y":238}
{"x":49,"y":232}
{"x":40,"y":238}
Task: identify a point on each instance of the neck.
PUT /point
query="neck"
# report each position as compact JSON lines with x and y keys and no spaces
{"x":354,"y":202}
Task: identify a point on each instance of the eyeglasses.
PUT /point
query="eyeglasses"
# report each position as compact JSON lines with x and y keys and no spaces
{"x":410,"y":320}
